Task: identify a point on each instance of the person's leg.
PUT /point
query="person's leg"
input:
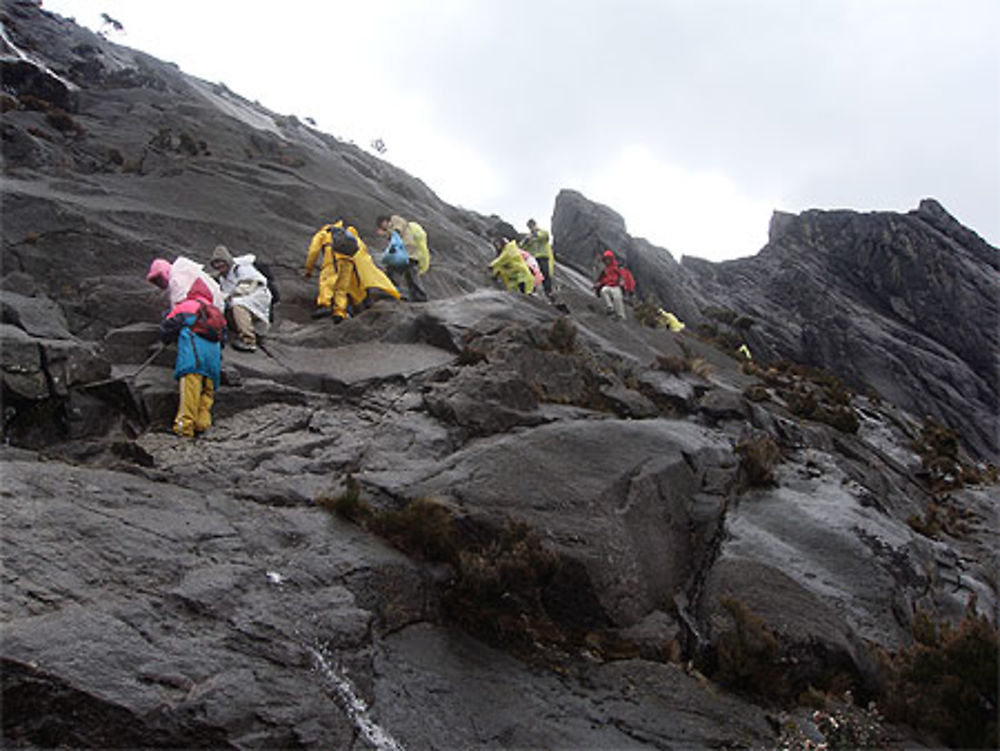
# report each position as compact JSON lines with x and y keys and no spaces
{"x":345,"y":267}
{"x":189,"y":387}
{"x":204,"y":420}
{"x":618,"y":302}
{"x":606,"y":297}
{"x":243,"y":325}
{"x":327,"y":281}
{"x":397,"y":276}
{"x":417,"y":293}
{"x":543,"y":265}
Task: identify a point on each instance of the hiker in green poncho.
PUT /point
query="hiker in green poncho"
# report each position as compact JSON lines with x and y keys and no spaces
{"x":538,"y":243}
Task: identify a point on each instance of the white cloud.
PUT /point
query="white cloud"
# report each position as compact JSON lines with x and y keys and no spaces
{"x":702,"y":214}
{"x":497,"y":104}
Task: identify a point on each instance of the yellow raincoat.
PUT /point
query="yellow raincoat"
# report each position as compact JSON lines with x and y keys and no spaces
{"x":360,"y":272}
{"x":415,"y":239}
{"x":668,"y":320}
{"x":513,"y":270}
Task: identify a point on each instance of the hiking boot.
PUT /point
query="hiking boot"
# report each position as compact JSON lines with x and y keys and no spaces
{"x":338,"y":319}
{"x":320,"y":312}
{"x":241,"y":346}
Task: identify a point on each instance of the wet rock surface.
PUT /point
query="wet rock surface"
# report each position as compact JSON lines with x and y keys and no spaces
{"x":169,"y":593}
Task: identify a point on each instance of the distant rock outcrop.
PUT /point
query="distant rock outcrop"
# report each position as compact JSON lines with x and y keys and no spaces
{"x":907,"y":305}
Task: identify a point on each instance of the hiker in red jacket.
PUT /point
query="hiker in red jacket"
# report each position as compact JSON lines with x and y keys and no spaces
{"x":608,"y":286}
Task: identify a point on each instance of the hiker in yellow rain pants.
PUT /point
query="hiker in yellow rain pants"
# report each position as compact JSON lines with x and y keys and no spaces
{"x":347,"y":271}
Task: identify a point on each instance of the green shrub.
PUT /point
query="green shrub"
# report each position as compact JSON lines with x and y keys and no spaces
{"x":647,"y":313}
{"x":747,"y":653}
{"x":946,"y":683}
{"x":499,"y":592}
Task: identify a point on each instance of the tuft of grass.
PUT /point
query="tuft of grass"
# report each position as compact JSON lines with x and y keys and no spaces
{"x":31,"y":237}
{"x":758,"y":457}
{"x":940,"y":457}
{"x":61,"y":121}
{"x":562,"y":335}
{"x":672,"y":364}
{"x":756,"y":393}
{"x":348,"y":504}
{"x":471,"y":356}
{"x":424,"y":528}
{"x":940,"y":518}
{"x":187,"y":144}
{"x":34,"y":103}
{"x":700,"y":367}
{"x":688,"y":364}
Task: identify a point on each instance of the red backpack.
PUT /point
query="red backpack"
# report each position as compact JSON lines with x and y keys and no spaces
{"x":209,"y":323}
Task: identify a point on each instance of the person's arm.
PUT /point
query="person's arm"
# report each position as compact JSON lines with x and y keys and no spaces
{"x":171,"y":327}
{"x":318,"y":240}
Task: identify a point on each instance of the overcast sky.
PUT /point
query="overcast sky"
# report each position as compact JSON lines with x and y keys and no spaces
{"x":694,"y":119}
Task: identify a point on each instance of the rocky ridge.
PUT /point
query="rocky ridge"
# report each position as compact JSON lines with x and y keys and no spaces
{"x":584,"y":490}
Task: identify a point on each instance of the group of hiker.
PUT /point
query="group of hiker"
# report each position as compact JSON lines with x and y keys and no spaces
{"x":525,"y":263}
{"x":239,"y":297}
{"x":235,"y":302}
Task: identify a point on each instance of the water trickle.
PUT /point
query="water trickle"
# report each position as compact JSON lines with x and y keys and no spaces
{"x":354,"y":705}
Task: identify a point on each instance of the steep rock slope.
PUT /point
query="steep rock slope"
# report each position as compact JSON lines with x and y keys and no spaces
{"x":570,"y":512}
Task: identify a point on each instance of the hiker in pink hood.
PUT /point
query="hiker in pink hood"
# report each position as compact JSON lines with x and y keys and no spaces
{"x":198,"y":327}
{"x":177,"y":278}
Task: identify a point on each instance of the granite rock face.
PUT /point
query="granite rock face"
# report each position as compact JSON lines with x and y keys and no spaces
{"x":907,"y":305}
{"x":593,"y":511}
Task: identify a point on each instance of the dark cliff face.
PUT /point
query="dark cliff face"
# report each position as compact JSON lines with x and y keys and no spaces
{"x":554,"y":512}
{"x":904,"y":304}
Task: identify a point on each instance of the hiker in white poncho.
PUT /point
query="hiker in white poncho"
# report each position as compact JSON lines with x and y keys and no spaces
{"x":248,"y":299}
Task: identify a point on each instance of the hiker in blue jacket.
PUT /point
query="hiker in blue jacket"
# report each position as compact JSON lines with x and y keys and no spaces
{"x":198,"y":365}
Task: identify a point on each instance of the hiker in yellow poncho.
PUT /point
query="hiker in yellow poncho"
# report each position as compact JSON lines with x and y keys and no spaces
{"x":347,"y":271}
{"x":511,"y":267}
{"x":539,"y":244}
{"x":414,"y":239}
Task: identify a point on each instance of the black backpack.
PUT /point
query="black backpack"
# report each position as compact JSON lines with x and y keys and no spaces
{"x":343,"y":242}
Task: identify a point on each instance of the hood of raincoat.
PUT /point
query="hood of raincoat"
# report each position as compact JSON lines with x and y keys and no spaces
{"x":221,"y":253}
{"x":159,"y":269}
